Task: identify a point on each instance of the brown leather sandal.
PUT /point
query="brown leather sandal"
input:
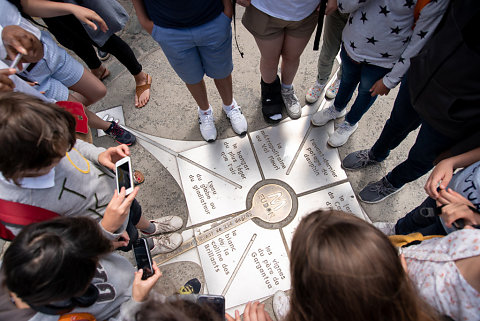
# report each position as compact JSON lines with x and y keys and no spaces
{"x":141,"y":88}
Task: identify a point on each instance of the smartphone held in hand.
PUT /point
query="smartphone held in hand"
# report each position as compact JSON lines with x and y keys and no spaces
{"x":124,"y":175}
{"x":143,"y":257}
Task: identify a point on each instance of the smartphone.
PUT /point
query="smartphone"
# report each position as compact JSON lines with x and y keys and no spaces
{"x":215,"y":302}
{"x":143,"y":257}
{"x":124,"y":175}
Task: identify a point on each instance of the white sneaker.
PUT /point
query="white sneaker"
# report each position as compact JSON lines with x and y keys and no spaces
{"x":386,"y":228}
{"x":341,"y":134}
{"x":166,"y":243}
{"x":237,"y":120}
{"x":323,"y":116}
{"x":207,"y":127}
{"x":314,"y":93}
{"x":292,"y":105}
{"x":165,"y":224}
{"x":332,"y":90}
{"x":281,"y":305}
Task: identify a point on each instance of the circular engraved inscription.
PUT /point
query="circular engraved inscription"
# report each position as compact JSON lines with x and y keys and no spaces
{"x":273,"y":203}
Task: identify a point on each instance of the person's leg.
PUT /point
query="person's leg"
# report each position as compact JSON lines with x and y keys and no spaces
{"x":369,"y":75}
{"x":350,"y":78}
{"x":90,"y":87}
{"x":421,"y":219}
{"x":199,"y":93}
{"x":270,"y":50}
{"x":291,"y":51}
{"x":122,"y":51}
{"x":429,"y":144}
{"x":403,"y":120}
{"x":70,"y":33}
{"x":224,"y":87}
{"x":332,"y":39}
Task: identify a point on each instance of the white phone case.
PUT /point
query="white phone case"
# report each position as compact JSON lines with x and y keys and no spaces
{"x":124,"y":167}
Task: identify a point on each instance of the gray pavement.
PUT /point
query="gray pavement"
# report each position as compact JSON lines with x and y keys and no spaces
{"x":171,"y":113}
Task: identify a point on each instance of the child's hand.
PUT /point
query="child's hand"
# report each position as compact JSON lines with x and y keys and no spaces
{"x":141,"y":288}
{"x":118,"y":209}
{"x":17,"y":40}
{"x":253,"y":312}
{"x":112,"y":155}
{"x":449,"y":196}
{"x":6,"y":84}
{"x":122,"y":240}
{"x":440,"y":177}
{"x":379,"y":88}
{"x":456,"y":211}
{"x":244,"y":3}
{"x":89,"y":17}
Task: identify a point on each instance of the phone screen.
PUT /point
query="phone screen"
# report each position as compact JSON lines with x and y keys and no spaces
{"x":143,"y":258}
{"x":123,"y":176}
{"x":215,"y":302}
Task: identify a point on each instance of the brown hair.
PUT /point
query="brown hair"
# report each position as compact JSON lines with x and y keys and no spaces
{"x":344,"y":269}
{"x":177,"y":310}
{"x":33,"y":134}
{"x":54,"y":260}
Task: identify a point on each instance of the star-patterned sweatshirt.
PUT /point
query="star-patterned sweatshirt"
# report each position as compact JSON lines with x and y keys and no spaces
{"x":384,"y":33}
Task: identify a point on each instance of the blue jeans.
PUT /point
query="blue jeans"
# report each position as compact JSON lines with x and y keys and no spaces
{"x":428,"y":145}
{"x":353,"y":73}
{"x":416,"y":221}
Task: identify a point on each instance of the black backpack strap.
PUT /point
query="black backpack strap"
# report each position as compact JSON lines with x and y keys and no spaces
{"x":234,"y":2}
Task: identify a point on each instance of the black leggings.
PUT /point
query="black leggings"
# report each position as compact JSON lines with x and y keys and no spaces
{"x":71,"y":34}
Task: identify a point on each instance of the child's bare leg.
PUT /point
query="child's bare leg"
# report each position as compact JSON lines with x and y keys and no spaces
{"x":90,"y":87}
{"x":143,"y":223}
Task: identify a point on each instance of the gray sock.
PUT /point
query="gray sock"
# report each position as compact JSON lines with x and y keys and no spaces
{"x":150,"y":229}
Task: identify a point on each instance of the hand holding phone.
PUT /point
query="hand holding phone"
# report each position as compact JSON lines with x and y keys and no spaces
{"x":141,"y":288}
{"x":124,"y":175}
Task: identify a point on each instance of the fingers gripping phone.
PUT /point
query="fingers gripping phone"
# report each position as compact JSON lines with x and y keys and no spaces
{"x":124,"y":175}
{"x":143,"y":257}
{"x":215,"y":302}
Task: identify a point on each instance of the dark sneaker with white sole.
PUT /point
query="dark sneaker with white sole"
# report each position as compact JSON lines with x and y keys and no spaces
{"x":376,"y":192}
{"x":121,"y":136}
{"x":357,"y":160}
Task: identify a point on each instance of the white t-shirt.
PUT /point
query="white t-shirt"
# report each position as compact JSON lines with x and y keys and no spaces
{"x":289,"y":10}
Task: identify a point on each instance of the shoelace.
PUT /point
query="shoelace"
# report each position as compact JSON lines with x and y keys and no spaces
{"x":290,"y":97}
{"x":164,"y":240}
{"x":117,"y":130}
{"x":207,"y":121}
{"x":235,"y":114}
{"x":343,"y":127}
{"x":363,"y":156}
{"x":380,"y":188}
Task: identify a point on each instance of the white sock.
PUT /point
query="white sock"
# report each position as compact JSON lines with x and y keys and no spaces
{"x":229,"y":107}
{"x":287,"y":86}
{"x":209,"y":111}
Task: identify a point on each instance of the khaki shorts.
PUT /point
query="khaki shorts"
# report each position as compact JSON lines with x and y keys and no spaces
{"x":264,"y":26}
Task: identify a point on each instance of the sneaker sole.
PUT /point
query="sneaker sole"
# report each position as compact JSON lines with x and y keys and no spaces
{"x":378,"y":201}
{"x":120,"y":143}
{"x":271,"y":121}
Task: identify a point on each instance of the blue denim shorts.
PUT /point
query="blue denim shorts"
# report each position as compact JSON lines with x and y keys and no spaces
{"x":56,"y":71}
{"x":194,"y":52}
